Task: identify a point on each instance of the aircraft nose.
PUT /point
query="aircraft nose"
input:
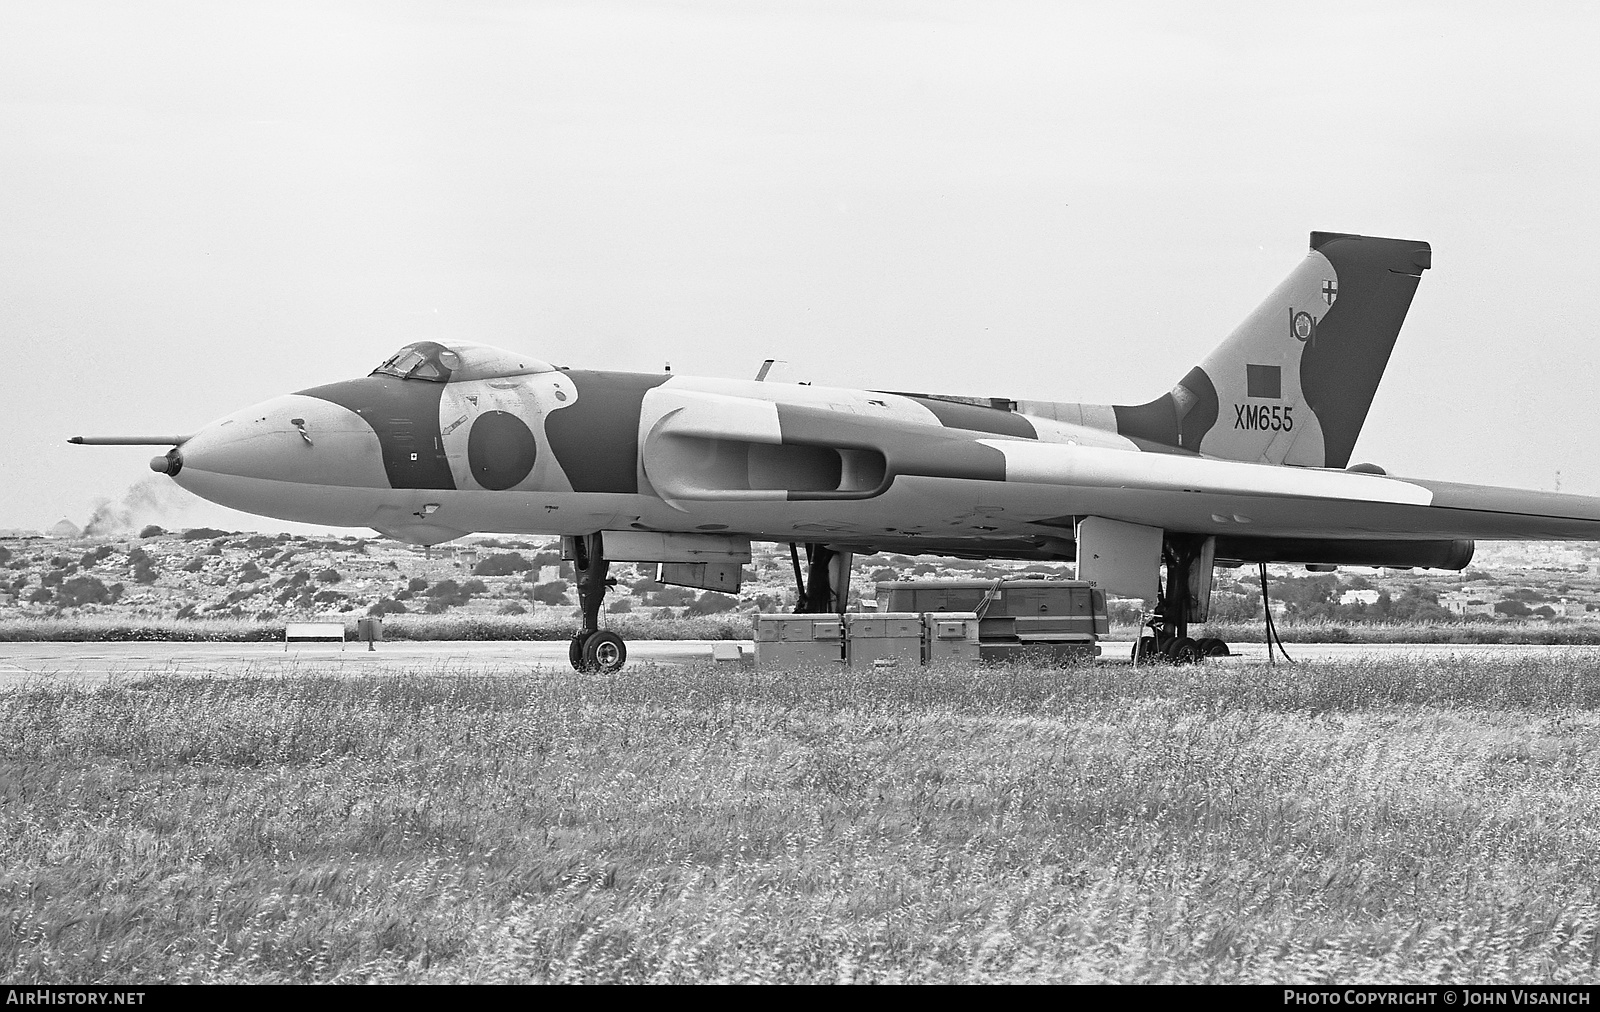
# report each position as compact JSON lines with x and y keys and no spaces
{"x":289,"y":439}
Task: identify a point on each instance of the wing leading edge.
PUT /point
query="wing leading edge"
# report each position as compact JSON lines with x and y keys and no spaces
{"x":1228,"y":498}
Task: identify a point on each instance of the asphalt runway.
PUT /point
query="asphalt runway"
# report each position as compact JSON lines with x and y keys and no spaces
{"x":98,"y":661}
{"x":92,"y":662}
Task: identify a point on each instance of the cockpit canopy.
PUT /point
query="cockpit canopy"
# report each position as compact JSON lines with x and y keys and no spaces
{"x":441,"y":363}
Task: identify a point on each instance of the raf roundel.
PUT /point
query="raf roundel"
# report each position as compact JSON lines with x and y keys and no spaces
{"x":500,"y":450}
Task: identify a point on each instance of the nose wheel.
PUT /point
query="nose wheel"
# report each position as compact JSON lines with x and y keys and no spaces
{"x":605,"y":651}
{"x":602,"y":651}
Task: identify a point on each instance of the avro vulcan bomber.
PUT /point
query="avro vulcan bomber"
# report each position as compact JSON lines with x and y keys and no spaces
{"x":1245,"y":459}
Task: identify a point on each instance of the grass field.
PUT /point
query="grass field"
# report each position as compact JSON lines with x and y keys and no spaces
{"x":1384,"y":821}
{"x":1540,"y":632}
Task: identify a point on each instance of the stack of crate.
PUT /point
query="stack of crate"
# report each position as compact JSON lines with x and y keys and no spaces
{"x":865,"y":640}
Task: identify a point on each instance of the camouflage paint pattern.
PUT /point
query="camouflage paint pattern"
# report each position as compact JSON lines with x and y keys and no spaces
{"x":481,"y":439}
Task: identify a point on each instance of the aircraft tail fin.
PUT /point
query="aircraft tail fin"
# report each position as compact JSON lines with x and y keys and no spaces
{"x":1293,"y":382}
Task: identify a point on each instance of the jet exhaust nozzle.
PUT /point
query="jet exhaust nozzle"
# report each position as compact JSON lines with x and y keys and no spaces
{"x":168,"y":463}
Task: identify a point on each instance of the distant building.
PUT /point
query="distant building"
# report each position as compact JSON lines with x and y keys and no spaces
{"x":1359,"y":597}
{"x":1466,"y":605}
{"x":65,"y":528}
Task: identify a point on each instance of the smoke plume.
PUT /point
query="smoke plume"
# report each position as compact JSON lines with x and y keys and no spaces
{"x":153,"y":499}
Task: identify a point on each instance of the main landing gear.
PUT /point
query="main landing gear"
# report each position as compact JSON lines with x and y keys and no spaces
{"x":593,"y":648}
{"x":825,"y":586}
{"x":1185,"y":597}
{"x":1161,"y":643}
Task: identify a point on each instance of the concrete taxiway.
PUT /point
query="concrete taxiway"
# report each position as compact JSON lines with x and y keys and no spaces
{"x":21,"y":662}
{"x":98,"y":661}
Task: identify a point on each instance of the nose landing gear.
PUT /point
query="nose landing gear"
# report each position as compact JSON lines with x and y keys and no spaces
{"x":593,"y":648}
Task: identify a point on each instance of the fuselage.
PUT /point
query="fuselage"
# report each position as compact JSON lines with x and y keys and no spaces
{"x":476,"y":439}
{"x":1247,"y":454}
{"x":528,"y":448}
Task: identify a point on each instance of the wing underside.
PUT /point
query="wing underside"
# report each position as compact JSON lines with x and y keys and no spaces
{"x":1263,"y":514}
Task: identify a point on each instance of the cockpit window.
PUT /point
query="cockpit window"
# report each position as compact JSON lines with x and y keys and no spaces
{"x":457,"y":362}
{"x":425,"y":360}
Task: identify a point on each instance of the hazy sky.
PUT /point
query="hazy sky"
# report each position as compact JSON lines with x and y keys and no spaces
{"x":203,"y":205}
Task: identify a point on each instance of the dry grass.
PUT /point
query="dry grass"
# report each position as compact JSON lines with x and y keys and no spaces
{"x":1378,"y":821}
{"x":1539,"y":632}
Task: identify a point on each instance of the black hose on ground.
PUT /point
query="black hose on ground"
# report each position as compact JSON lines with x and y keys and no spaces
{"x":1272,"y":627}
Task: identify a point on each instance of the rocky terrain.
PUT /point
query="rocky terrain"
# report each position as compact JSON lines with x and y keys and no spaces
{"x":204,"y":573}
{"x":207,"y":573}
